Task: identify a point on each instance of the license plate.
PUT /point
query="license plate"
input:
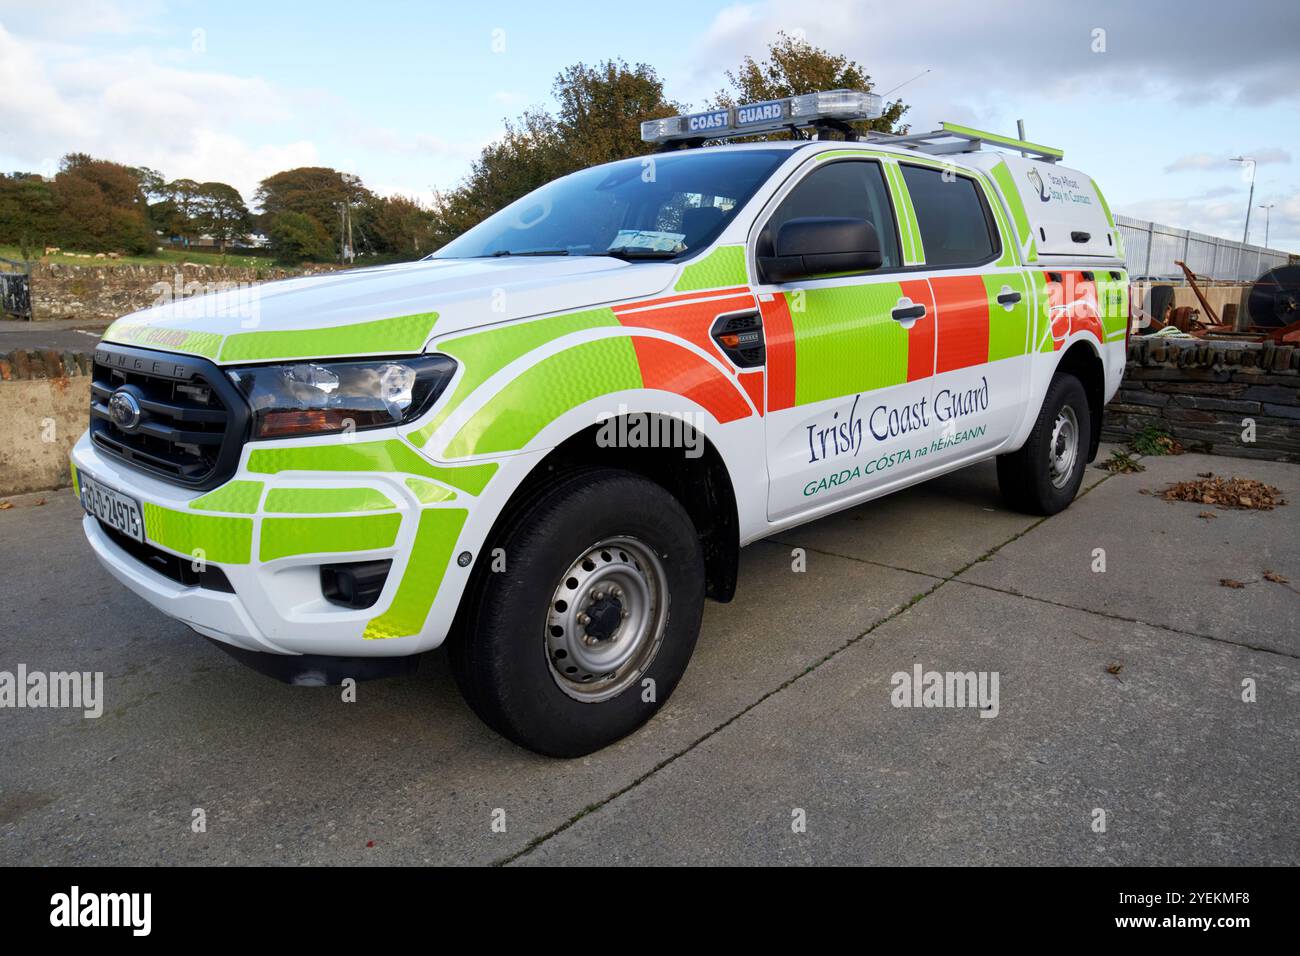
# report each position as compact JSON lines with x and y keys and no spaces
{"x":115,"y":509}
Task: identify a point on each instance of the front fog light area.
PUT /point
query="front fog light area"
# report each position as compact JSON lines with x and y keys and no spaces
{"x":323,"y":397}
{"x":356,"y":584}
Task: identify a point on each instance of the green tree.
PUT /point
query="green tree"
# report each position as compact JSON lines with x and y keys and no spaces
{"x":28,"y":212}
{"x":600,"y":112}
{"x":398,"y":226}
{"x":152,"y":183}
{"x":602,"y":107}
{"x":314,"y":191}
{"x":100,"y":207}
{"x":221,"y":213}
{"x":296,"y":237}
{"x":178,"y":213}
{"x":794,"y":66}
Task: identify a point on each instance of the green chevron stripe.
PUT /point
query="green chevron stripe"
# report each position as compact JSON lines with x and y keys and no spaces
{"x":722,"y":268}
{"x":483,"y":354}
{"x":325,"y":500}
{"x":435,"y":541}
{"x":546,"y":391}
{"x":406,"y":333}
{"x":284,"y":537}
{"x":237,"y":497}
{"x":384,"y":456}
{"x":211,"y":537}
{"x":846,"y":341}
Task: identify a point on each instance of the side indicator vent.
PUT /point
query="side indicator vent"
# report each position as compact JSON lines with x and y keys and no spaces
{"x":740,"y":336}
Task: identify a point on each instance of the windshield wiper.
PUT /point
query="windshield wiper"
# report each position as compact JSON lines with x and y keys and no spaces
{"x":530,"y":252}
{"x":629,"y":253}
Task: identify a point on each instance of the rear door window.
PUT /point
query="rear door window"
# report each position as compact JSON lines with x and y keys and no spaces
{"x":955,"y":225}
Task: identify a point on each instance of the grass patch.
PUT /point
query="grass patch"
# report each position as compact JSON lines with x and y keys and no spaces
{"x":1154,"y":439}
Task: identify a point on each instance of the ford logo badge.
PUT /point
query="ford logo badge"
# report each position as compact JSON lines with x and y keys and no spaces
{"x":124,"y":410}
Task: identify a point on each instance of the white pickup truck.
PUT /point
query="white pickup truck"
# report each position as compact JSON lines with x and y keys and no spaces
{"x":547,"y":443}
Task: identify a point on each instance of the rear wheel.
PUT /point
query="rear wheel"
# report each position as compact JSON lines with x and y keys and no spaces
{"x":586,"y":633}
{"x":1044,"y":476}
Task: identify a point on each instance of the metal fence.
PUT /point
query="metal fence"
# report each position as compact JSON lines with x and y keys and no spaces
{"x":1152,"y":249}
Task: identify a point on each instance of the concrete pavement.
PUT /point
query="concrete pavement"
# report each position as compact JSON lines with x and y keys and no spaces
{"x":1119,"y":692}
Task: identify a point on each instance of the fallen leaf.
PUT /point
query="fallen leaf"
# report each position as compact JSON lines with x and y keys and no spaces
{"x":1207,"y":514}
{"x":6,"y":505}
{"x":1230,"y":583}
{"x":1114,"y":668}
{"x":38,"y":502}
{"x":1226,"y":493}
{"x":1275,"y":577}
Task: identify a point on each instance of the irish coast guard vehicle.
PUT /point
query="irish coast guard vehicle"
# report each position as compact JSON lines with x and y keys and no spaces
{"x":546,"y":444}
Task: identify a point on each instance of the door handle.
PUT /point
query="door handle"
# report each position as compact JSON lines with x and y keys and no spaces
{"x":1008,"y":297}
{"x":906,"y":312}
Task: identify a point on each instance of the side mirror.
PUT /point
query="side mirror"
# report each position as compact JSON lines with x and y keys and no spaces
{"x":819,"y":245}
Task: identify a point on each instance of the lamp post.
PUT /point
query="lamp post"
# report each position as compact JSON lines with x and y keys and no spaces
{"x":1266,"y":207}
{"x":1250,"y":200}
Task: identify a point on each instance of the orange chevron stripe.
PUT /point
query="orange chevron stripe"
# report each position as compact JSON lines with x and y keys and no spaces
{"x":673,"y":368}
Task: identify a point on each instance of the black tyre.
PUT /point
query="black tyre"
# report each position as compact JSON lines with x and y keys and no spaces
{"x":1043,"y":477}
{"x":1160,"y":297}
{"x":588,"y":630}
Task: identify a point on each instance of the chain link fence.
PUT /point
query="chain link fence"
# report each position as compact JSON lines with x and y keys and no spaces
{"x":1151,"y":249}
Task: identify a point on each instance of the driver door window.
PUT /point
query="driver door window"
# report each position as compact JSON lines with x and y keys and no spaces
{"x":855,"y":189}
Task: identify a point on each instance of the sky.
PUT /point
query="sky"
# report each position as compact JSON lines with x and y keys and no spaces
{"x":1149,"y":97}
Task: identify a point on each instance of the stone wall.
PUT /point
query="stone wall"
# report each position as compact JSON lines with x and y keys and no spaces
{"x":44,"y":407}
{"x":95,"y":293}
{"x":1206,"y":394}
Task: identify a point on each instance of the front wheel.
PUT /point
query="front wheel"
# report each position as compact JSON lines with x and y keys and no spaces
{"x":586,"y":633}
{"x":1043,"y":477}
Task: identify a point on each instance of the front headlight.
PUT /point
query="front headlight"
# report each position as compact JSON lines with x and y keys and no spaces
{"x":322,"y":397}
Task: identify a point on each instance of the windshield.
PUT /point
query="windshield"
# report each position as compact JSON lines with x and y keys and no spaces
{"x":650,"y":207}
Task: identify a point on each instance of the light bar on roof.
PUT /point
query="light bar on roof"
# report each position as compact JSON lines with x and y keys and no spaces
{"x":747,"y":119}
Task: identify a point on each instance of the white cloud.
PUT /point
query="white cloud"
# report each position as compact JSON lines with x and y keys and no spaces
{"x":1198,"y":161}
{"x":983,"y":51}
{"x":1218,"y":215}
{"x":127,"y":107}
{"x":90,"y":17}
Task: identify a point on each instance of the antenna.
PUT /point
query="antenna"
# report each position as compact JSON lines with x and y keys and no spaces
{"x":905,"y":82}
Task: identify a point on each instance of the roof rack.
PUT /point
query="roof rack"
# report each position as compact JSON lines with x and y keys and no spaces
{"x":951,"y":138}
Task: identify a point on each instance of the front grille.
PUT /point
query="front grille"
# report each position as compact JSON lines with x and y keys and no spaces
{"x":192,"y":421}
{"x":181,"y":570}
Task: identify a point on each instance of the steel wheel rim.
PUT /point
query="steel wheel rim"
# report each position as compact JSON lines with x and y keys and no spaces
{"x":1064,"y":447}
{"x":606,"y":619}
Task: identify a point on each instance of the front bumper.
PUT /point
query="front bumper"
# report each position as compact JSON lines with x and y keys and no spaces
{"x":272,"y":526}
